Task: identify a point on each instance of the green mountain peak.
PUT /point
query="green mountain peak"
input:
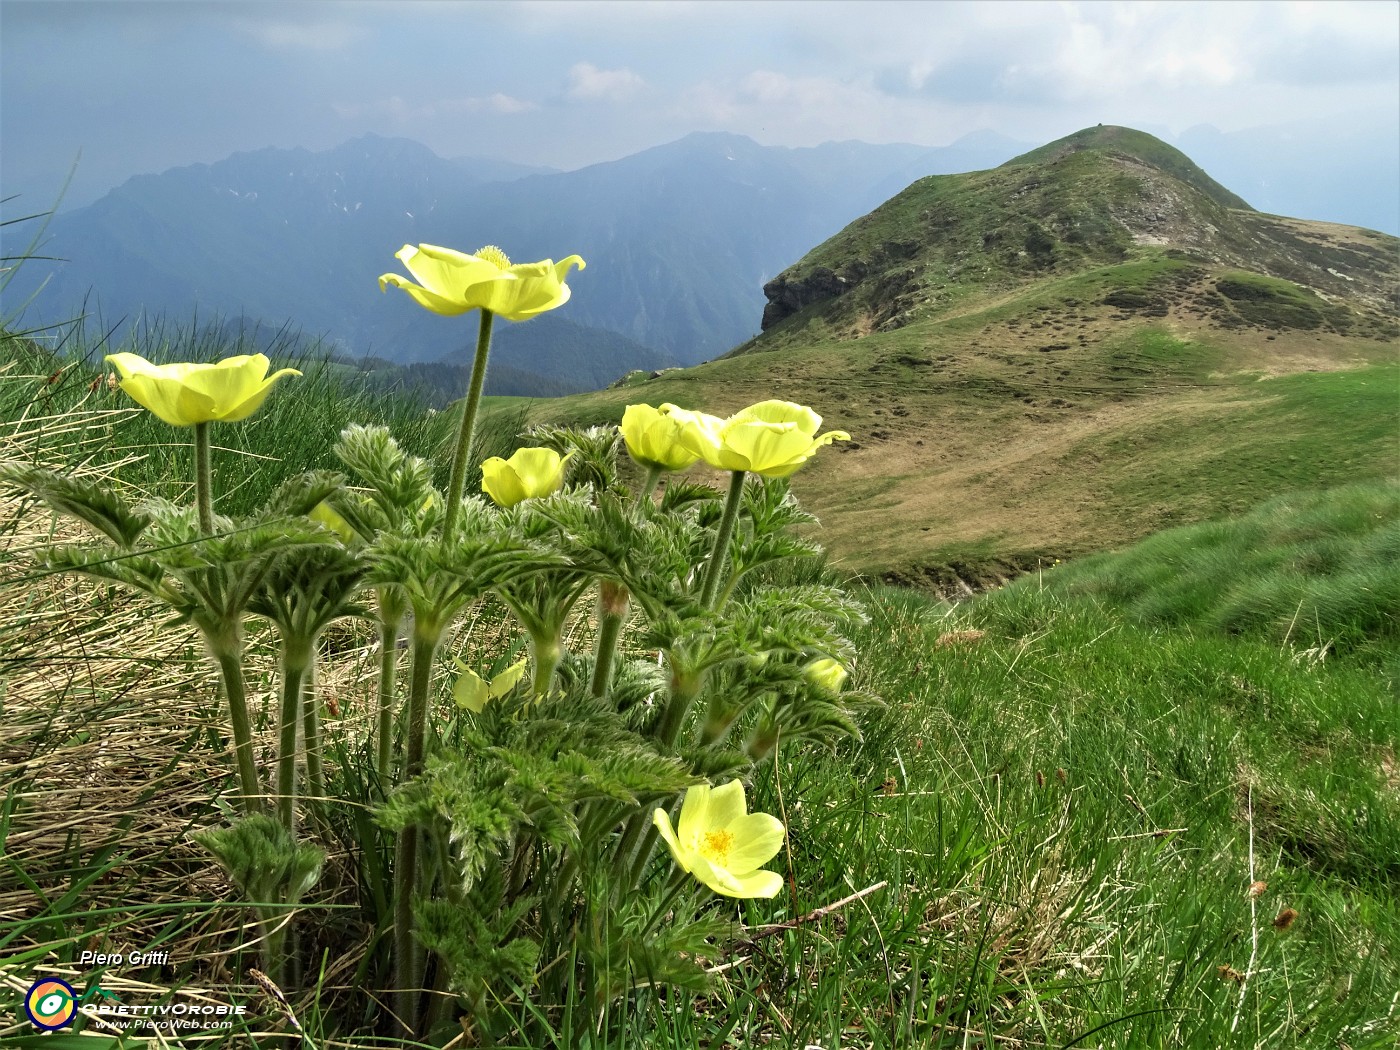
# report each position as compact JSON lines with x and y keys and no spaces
{"x":1135,"y":145}
{"x":1103,"y":196}
{"x":1062,"y":355}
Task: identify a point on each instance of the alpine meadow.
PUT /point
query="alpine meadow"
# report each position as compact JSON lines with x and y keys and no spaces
{"x":999,"y":649}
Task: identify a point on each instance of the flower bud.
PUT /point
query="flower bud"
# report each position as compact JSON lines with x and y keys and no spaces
{"x":826,"y":673}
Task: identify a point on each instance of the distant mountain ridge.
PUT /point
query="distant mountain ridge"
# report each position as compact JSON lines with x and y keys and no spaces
{"x":1061,"y":354}
{"x":679,"y":239}
{"x":1091,"y":198}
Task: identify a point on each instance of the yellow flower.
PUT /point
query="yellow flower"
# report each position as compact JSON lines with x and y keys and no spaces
{"x":451,"y":282}
{"x":186,"y":394}
{"x":327,"y":516}
{"x":653,"y":437}
{"x":721,"y":845}
{"x":529,"y":473}
{"x":472,"y":691}
{"x":772,"y":438}
{"x":826,"y":673}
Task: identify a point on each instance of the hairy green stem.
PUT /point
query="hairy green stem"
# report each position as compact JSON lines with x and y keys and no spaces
{"x":649,"y":484}
{"x":293,"y":674}
{"x":684,"y":690}
{"x":546,"y":652}
{"x":391,"y":613}
{"x":719,"y":557}
{"x":466,"y":435}
{"x":613,"y":599}
{"x":203,"y":479}
{"x":311,"y":733}
{"x":229,"y":656}
{"x":408,"y":960}
{"x":627,"y":845}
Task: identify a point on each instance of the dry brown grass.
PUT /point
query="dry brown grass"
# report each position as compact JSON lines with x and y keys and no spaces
{"x":114,"y":752}
{"x":113,"y":740}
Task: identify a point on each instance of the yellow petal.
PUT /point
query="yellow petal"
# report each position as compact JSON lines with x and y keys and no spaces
{"x":757,"y":839}
{"x":255,"y":398}
{"x":699,"y":433}
{"x":327,"y":516}
{"x":762,"y":447}
{"x":185,"y":394}
{"x":800,"y":416}
{"x":470,"y":692}
{"x":694,"y":819}
{"x":500,"y":482}
{"x":429,"y":300}
{"x":654,"y":440}
{"x":506,"y":680}
{"x":452,"y":282}
{"x":662,"y":820}
{"x":540,"y":470}
{"x":726,"y":805}
{"x":445,"y":271}
{"x":750,"y":884}
{"x":176,"y":406}
{"x":766,"y":884}
{"x":826,"y":673}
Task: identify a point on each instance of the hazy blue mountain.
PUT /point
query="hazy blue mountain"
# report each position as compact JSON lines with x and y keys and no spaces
{"x":679,"y":240}
{"x":549,"y":357}
{"x":488,"y":169}
{"x":1316,"y":170}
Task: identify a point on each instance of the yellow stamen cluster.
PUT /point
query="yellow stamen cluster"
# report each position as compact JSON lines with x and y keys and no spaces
{"x":493,"y":255}
{"x":717,"y":845}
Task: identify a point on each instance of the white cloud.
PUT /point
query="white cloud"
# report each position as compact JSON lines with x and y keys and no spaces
{"x":397,"y":108}
{"x":303,"y":36}
{"x":588,"y":83}
{"x":764,"y":87}
{"x":765,"y":90}
{"x":496,"y":102}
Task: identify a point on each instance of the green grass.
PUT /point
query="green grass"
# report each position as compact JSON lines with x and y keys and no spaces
{"x":1304,"y":431}
{"x":1136,"y":144}
{"x":1066,"y":810}
{"x":1319,"y":570}
{"x":1278,"y":304}
{"x":294,"y":432}
{"x":1066,"y":818}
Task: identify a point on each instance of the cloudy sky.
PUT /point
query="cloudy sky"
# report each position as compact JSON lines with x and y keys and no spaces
{"x":144,"y":86}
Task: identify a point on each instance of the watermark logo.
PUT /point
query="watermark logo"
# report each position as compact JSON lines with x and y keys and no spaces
{"x":51,"y":1004}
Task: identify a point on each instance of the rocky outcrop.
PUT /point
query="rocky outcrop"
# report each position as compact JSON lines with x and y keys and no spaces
{"x":787,"y":295}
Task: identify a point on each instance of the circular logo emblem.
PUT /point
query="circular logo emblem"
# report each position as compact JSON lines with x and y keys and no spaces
{"x":51,"y":1003}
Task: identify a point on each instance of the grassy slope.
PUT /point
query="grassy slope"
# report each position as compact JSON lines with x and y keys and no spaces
{"x":1045,"y":423}
{"x":1068,"y":810}
{"x":1063,"y":355}
{"x":1078,"y":780}
{"x":1139,"y":144}
{"x":1062,"y":811}
{"x":1318,"y":569}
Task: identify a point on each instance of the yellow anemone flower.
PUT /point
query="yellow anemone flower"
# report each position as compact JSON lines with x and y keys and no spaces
{"x":452,"y":282}
{"x":772,"y":438}
{"x":528,"y":474}
{"x":722,"y":845}
{"x":653,"y":437}
{"x":186,"y":394}
{"x":472,"y":691}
